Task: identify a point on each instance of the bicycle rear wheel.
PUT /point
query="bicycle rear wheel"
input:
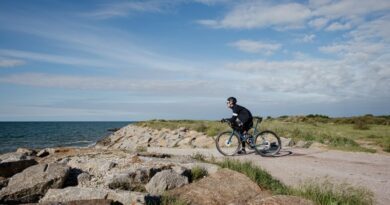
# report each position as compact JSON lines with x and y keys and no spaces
{"x":228,"y":143}
{"x":267,"y":143}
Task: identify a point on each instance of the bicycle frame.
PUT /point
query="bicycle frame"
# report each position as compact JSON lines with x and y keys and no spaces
{"x":243,"y":138}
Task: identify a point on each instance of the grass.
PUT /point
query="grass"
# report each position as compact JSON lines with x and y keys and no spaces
{"x":171,"y":200}
{"x":337,"y":133}
{"x":198,"y":156}
{"x":198,"y":173}
{"x":323,"y":193}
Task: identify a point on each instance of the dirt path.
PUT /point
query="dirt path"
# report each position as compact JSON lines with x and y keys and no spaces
{"x":364,"y":169}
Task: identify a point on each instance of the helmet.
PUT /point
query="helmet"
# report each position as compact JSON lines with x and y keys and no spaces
{"x":232,"y":99}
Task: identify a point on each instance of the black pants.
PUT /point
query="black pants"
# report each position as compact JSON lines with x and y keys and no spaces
{"x":245,"y":128}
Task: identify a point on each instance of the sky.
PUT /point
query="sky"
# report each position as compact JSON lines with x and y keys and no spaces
{"x":181,"y":59}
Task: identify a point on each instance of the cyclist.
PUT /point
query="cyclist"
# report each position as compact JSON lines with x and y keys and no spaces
{"x":241,"y":120}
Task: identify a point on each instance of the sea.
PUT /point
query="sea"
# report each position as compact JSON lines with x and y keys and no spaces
{"x":53,"y":134}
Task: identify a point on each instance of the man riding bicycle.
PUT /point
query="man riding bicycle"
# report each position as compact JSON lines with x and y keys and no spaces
{"x":242,"y":119}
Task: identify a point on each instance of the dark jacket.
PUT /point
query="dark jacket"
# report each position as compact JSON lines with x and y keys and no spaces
{"x":242,"y":114}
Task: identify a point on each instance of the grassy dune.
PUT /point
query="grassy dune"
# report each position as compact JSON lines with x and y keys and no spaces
{"x":349,"y":134}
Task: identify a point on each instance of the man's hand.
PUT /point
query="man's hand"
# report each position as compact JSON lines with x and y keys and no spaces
{"x":223,"y":120}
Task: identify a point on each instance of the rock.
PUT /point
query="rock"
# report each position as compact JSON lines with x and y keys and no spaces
{"x":26,"y":151}
{"x":286,"y":142}
{"x":317,"y":145}
{"x":76,"y":194}
{"x":133,"y":180}
{"x":83,"y":178}
{"x":43,"y":153}
{"x":165,"y":180}
{"x":3,"y":182}
{"x":83,"y":202}
{"x":14,"y":162}
{"x":182,"y":129}
{"x":155,"y":155}
{"x":210,"y":168}
{"x":300,"y":144}
{"x":280,"y":200}
{"x":203,"y":142}
{"x":223,"y":187}
{"x":31,"y":184}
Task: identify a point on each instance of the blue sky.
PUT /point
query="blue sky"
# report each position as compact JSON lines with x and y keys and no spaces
{"x":181,"y":59}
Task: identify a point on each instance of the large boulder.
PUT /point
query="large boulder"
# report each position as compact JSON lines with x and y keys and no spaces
{"x":31,"y":184}
{"x":14,"y":162}
{"x":26,"y":151}
{"x":83,"y":202}
{"x":133,"y":180}
{"x":77,"y":193}
{"x":223,"y":187}
{"x":165,"y":180}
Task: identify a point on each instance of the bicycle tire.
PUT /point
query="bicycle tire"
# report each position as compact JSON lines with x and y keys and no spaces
{"x":228,"y":149}
{"x":267,"y":143}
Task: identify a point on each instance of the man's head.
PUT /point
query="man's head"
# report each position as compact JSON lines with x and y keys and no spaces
{"x":231,"y":101}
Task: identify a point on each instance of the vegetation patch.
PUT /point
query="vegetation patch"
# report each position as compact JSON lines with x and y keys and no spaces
{"x":198,"y":173}
{"x":323,"y":193}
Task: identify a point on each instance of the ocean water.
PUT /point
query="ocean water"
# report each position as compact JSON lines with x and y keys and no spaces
{"x":52,"y":134}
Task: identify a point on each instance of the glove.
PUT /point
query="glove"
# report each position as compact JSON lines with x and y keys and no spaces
{"x":223,"y":120}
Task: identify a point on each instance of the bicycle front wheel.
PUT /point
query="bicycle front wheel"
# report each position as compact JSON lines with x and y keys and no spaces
{"x":267,"y":143}
{"x":228,"y":143}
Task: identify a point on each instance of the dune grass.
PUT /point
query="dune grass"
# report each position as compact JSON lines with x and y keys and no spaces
{"x":198,"y":173}
{"x":337,"y":133}
{"x":323,"y":193}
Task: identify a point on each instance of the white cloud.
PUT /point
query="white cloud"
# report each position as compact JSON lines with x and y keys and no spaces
{"x":337,"y":26}
{"x":211,"y":2}
{"x":256,"y":46}
{"x":307,"y":38}
{"x":258,"y":14}
{"x":78,"y":82}
{"x":318,"y":23}
{"x":50,"y":58}
{"x":125,"y":8}
{"x":350,"y":8}
{"x":373,"y":30}
{"x":10,"y":62}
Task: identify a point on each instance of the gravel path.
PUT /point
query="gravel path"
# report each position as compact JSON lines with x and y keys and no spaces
{"x":364,"y":169}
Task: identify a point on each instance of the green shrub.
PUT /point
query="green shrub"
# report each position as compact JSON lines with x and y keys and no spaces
{"x":324,"y":192}
{"x":360,"y":124}
{"x":197,"y":173}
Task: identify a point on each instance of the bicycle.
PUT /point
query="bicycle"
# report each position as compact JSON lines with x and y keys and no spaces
{"x":265,"y":143}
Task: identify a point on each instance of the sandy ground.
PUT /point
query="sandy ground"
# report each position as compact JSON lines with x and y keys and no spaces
{"x":298,"y":165}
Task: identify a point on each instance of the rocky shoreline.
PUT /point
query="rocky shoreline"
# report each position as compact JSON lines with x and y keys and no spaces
{"x":116,"y":171}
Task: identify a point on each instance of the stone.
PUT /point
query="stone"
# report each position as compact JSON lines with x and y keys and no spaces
{"x":317,"y":145}
{"x":3,"y":182}
{"x":133,"y":180}
{"x":223,"y":187}
{"x":83,"y":202}
{"x":69,"y":194}
{"x":280,"y":200}
{"x":203,"y":142}
{"x":31,"y":184}
{"x":43,"y":153}
{"x":26,"y":151}
{"x":182,"y":129}
{"x":83,"y":178}
{"x":286,"y":142}
{"x":300,"y":144}
{"x":165,"y":180}
{"x":14,"y":162}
